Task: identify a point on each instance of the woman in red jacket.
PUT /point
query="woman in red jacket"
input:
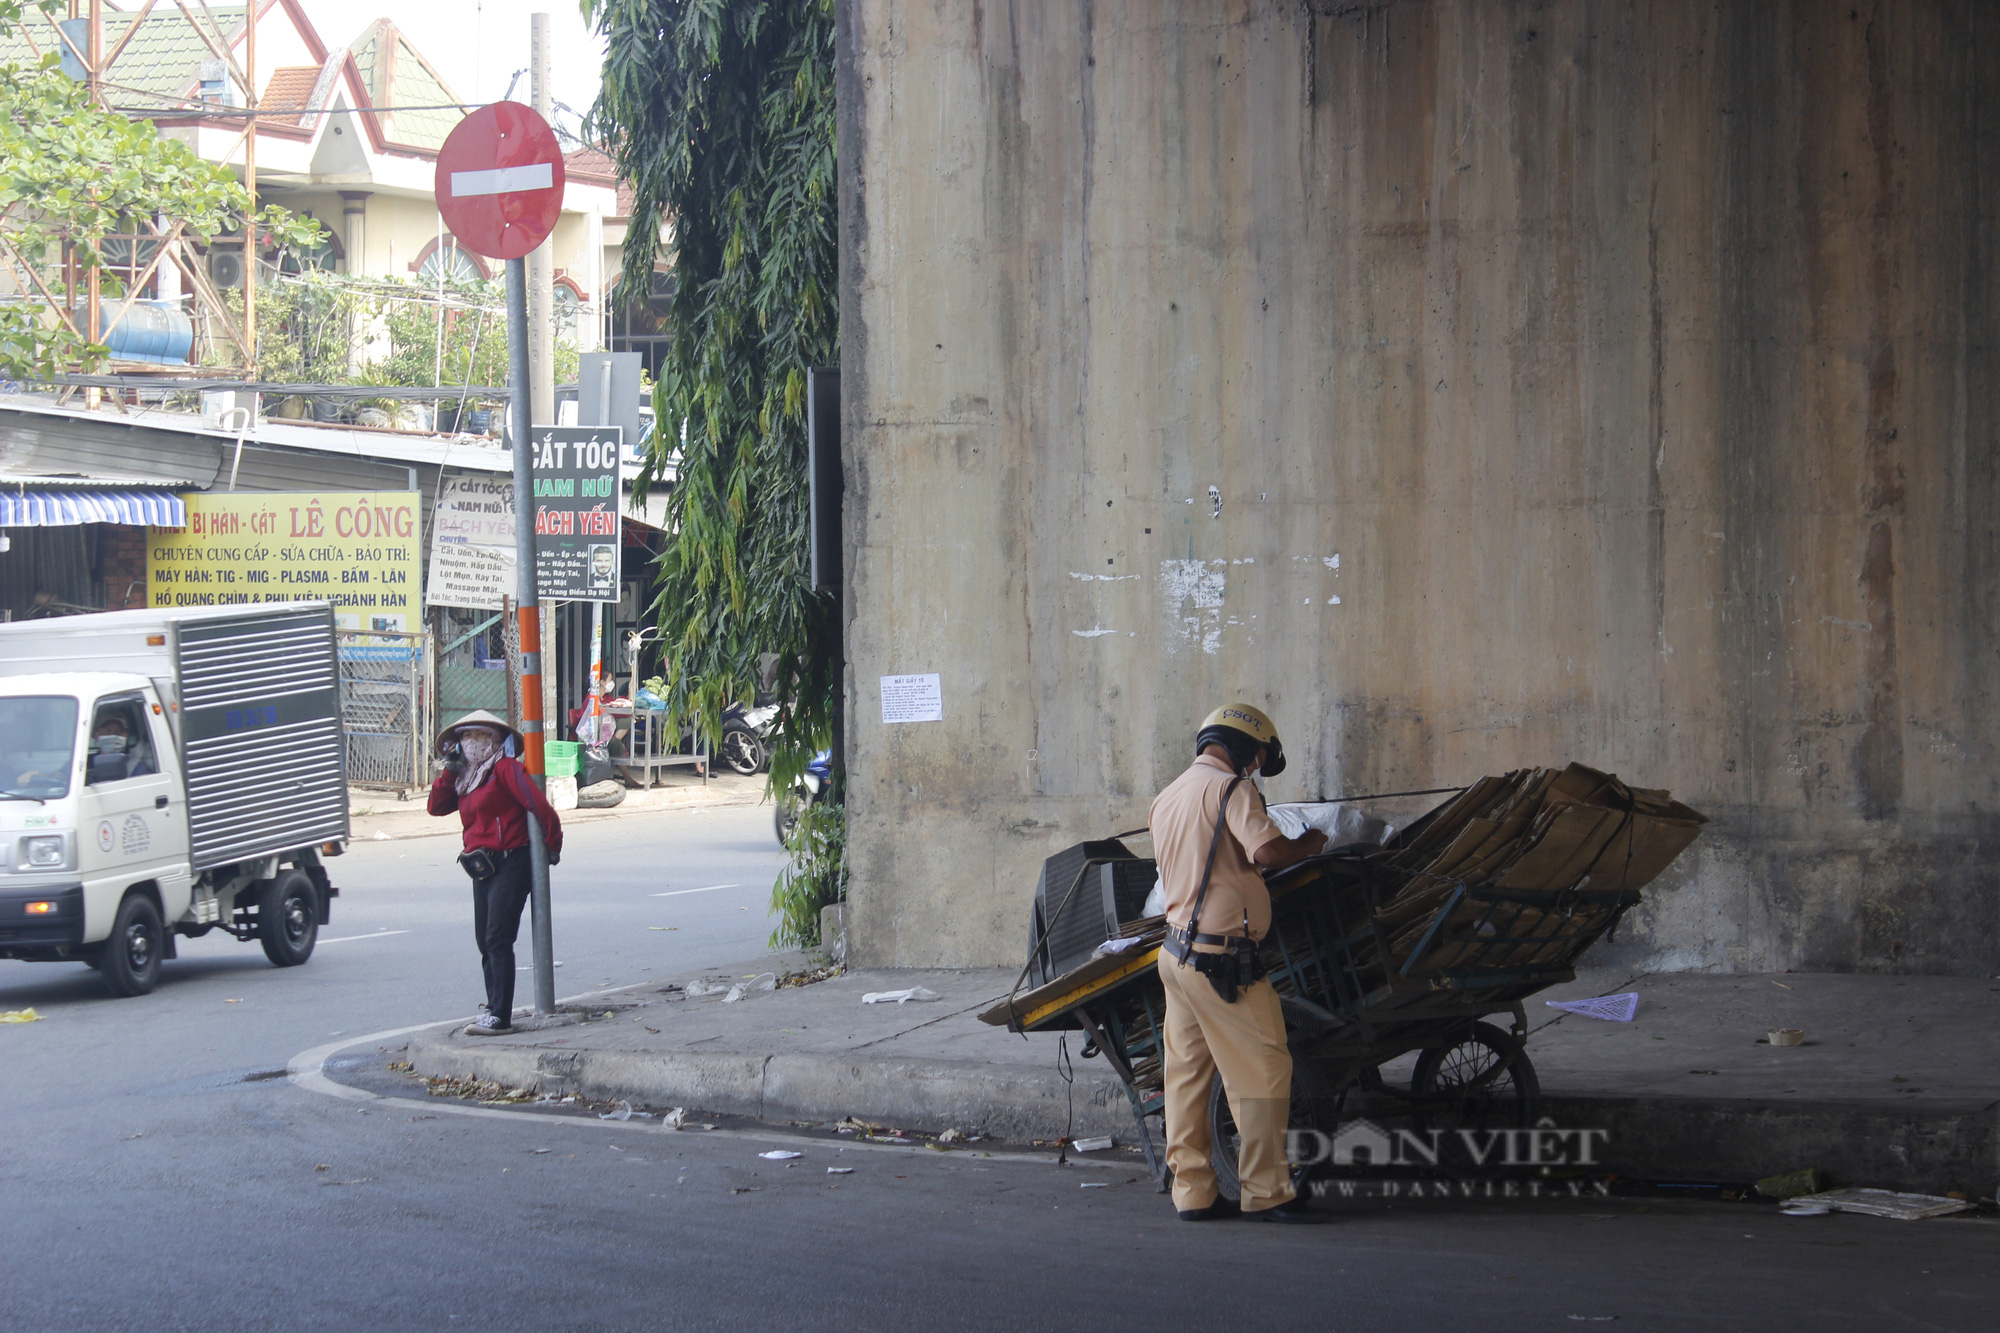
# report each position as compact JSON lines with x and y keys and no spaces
{"x":494,"y":796}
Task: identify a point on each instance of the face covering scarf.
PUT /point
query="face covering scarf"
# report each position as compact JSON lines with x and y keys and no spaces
{"x":480,"y":748}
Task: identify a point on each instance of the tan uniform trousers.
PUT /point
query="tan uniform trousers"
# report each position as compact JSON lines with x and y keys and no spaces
{"x":1246,"y":1041}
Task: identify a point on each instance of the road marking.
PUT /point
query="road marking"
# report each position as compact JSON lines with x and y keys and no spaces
{"x":675,"y":893}
{"x":342,"y":939}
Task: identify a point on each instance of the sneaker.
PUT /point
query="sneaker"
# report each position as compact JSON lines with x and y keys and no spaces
{"x":1222,"y":1208}
{"x":488,"y":1025}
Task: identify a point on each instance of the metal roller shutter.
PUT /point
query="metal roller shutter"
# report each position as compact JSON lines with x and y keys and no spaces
{"x":260,"y":714}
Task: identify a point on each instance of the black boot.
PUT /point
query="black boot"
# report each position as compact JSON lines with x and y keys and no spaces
{"x":1222,"y":1208}
{"x":1294,"y":1211}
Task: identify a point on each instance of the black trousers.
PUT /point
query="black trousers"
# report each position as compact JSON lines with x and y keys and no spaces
{"x":496,"y":923}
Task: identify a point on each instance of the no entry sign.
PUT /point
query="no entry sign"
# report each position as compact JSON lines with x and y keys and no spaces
{"x":500,"y":181}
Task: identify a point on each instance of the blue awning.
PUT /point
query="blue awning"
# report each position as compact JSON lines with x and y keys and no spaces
{"x":67,"y":509}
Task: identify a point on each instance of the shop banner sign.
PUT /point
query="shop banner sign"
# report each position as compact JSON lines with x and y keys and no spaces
{"x":577,"y":495}
{"x":472,"y":543}
{"x":359,"y":550}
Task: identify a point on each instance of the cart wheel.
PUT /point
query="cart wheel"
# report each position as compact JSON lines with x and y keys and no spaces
{"x":1512,"y":1100}
{"x":1315,"y":1105}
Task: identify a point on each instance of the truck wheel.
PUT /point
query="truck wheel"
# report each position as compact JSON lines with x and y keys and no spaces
{"x":129,"y":961}
{"x":288,"y":919}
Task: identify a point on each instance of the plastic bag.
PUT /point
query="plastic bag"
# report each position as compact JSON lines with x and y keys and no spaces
{"x":900,"y":996}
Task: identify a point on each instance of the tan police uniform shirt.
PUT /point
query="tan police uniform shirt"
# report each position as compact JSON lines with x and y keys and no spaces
{"x":1183,"y":822}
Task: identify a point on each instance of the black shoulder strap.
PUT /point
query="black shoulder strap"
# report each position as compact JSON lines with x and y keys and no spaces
{"x":1214,"y":844}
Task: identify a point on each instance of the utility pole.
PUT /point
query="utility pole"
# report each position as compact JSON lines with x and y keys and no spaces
{"x":93,"y":309}
{"x":541,"y":339}
{"x":250,"y":184}
{"x":527,"y":600}
{"x":541,"y":260}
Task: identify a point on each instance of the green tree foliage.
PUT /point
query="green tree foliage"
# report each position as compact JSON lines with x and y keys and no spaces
{"x":721,"y":115}
{"x":71,"y":173}
{"x":305,"y":327}
{"x":816,"y":877}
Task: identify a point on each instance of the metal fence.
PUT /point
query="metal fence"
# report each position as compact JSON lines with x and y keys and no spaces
{"x":386,"y":707}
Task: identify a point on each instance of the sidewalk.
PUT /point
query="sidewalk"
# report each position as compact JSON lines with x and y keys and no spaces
{"x":378,"y":815}
{"x":1898,"y":1084}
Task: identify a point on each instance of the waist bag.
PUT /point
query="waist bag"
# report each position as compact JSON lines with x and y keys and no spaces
{"x":480,"y":863}
{"x":1240,"y":966}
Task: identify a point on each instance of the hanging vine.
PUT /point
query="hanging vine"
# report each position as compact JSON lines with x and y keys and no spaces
{"x":721,"y":116}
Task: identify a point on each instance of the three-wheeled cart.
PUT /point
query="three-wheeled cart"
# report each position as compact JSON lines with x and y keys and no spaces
{"x":1373,"y":959}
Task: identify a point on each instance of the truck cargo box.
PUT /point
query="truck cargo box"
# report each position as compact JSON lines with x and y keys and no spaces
{"x":255,"y":701}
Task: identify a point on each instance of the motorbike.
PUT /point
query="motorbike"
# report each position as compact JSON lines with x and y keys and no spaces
{"x":812,"y":784}
{"x":744,"y":731}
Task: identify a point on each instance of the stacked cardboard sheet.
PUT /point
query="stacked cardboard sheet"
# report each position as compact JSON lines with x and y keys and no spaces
{"x":1537,"y":835}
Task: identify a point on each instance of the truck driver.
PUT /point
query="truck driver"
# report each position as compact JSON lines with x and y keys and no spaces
{"x":1211,"y":836}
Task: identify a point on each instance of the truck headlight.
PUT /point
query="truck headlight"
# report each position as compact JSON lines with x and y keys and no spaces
{"x":45,"y":851}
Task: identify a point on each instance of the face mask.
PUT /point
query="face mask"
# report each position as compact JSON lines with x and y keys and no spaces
{"x":111,"y":744}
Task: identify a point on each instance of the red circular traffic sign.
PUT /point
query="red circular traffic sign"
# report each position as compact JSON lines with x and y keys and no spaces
{"x":500,"y":181}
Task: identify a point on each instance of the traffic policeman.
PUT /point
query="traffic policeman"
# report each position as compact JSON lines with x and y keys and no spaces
{"x":1212,"y":838}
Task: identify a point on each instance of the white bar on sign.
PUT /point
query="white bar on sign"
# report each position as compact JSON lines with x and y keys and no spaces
{"x":503,"y":180}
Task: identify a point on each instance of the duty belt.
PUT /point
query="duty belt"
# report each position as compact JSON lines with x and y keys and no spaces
{"x":1180,"y":942}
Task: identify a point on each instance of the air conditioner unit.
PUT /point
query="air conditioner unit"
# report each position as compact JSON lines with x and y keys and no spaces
{"x":225,"y":268}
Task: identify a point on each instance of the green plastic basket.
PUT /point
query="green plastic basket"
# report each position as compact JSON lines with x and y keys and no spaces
{"x":560,"y":758}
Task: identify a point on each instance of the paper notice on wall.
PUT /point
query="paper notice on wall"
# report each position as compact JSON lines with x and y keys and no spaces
{"x":472,"y":543}
{"x":912,"y":698}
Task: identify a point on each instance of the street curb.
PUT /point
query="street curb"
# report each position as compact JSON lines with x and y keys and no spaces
{"x":1662,"y":1138}
{"x":929,"y":1095}
{"x":1925,"y":1149}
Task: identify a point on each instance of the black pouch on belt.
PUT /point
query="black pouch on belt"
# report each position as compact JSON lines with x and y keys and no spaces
{"x":479,"y":863}
{"x":1230,"y":973}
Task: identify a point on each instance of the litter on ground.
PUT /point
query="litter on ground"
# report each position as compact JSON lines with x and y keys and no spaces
{"x":1610,"y":1008}
{"x":20,"y":1016}
{"x":918,"y":993}
{"x":1875,"y":1203}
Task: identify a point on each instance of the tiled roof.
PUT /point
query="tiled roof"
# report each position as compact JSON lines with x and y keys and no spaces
{"x":395,"y":74}
{"x":592,"y":162}
{"x":289,"y":91}
{"x":164,"y":57}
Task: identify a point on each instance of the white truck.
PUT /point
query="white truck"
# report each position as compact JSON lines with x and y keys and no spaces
{"x":167,"y":773}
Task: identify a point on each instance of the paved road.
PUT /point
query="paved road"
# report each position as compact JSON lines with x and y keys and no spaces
{"x":157,"y":1175}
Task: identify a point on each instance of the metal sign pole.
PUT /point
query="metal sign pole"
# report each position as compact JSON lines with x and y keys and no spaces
{"x":527,"y":606}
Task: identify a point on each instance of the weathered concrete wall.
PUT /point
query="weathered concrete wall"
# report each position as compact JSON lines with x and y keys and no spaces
{"x":1471,"y":384}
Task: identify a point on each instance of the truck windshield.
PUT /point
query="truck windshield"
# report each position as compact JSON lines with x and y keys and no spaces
{"x":37,"y":746}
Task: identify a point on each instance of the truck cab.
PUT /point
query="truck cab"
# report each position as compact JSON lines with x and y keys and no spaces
{"x":111,"y":847}
{"x":89,"y":790}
